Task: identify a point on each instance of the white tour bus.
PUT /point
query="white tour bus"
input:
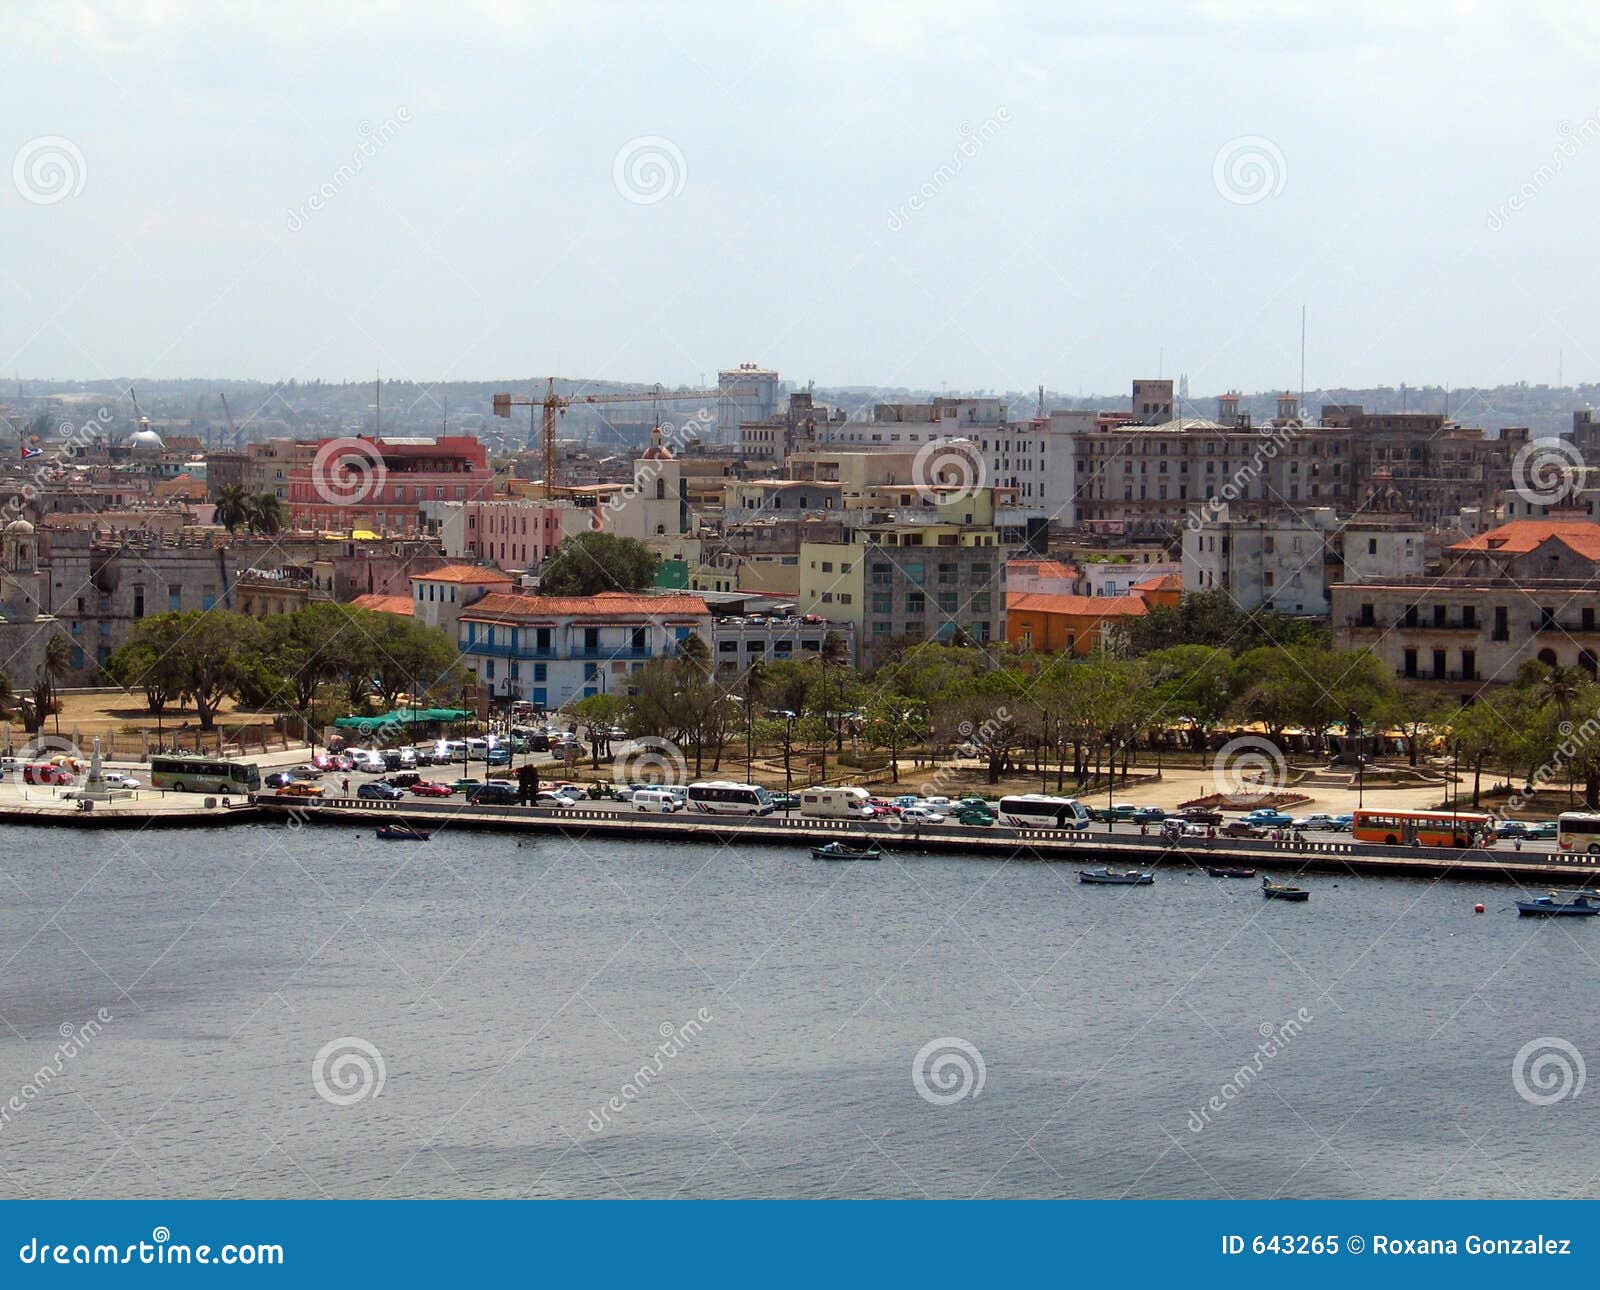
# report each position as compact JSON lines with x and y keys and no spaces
{"x":1038,"y":811}
{"x":837,"y":803}
{"x":723,"y":797}
{"x":1578,"y":831}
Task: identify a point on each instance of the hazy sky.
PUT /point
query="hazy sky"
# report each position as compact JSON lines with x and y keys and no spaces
{"x":978,"y":195}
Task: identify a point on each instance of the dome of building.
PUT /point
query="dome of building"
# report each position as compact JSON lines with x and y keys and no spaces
{"x":19,"y":528}
{"x":146,"y":440}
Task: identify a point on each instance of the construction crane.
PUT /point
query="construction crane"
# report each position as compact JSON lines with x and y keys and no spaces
{"x":553,"y":403}
{"x":233,"y":430}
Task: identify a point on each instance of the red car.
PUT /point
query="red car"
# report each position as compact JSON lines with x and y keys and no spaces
{"x":44,"y":772}
{"x":430,"y":788}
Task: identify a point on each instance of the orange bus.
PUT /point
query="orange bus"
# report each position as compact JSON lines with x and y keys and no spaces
{"x":1426,"y":828}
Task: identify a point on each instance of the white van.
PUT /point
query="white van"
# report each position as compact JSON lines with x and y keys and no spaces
{"x":660,"y":800}
{"x":837,"y":803}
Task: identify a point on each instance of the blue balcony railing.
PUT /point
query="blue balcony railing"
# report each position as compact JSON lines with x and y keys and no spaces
{"x":483,"y":648}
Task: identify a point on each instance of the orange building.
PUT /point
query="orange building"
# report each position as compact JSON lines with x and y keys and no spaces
{"x":1078,"y":625}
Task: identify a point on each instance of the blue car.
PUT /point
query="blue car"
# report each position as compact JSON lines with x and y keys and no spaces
{"x":499,"y":757}
{"x":1267,"y":818}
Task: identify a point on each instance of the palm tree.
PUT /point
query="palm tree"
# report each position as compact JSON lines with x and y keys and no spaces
{"x":57,"y":663}
{"x":266,"y":514}
{"x":233,"y":506}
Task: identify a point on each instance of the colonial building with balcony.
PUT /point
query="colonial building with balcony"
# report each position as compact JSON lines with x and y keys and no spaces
{"x":549,"y":650}
{"x":382,"y":485}
{"x":1529,"y":589}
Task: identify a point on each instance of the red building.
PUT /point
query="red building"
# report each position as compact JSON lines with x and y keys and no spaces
{"x":380,"y":484}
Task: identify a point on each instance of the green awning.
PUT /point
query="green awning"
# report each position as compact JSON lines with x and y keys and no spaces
{"x":402,"y":717}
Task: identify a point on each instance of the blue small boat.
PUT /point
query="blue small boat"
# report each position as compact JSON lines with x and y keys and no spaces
{"x":1117,"y":877}
{"x":838,"y":851}
{"x":401,"y":833}
{"x":1580,"y":906}
{"x":1280,"y":891}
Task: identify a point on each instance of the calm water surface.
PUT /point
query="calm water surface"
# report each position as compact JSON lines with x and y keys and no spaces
{"x":512,"y":991}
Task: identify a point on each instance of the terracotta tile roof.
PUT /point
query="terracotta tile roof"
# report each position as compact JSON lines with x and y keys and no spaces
{"x":1042,"y":568}
{"x":384,"y":604}
{"x":608,"y":604}
{"x":1518,"y":537}
{"x":474,"y":573}
{"x":1166,"y":582}
{"x":1040,"y":602}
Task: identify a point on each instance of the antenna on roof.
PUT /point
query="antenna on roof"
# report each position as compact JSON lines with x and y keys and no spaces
{"x":1302,"y":362}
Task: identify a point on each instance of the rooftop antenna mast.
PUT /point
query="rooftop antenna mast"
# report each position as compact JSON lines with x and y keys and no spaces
{"x":1302,"y":361}
{"x":377,"y":409}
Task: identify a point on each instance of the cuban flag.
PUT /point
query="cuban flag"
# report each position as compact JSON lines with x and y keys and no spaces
{"x":28,"y":454}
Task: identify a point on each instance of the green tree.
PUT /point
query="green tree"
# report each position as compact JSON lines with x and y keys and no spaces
{"x":233,"y":506}
{"x":265,"y":514}
{"x":590,"y":563}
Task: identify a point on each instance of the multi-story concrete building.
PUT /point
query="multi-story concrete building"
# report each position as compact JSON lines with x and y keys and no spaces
{"x":382,"y":485}
{"x":549,"y":650}
{"x":927,"y":579}
{"x":749,"y":393}
{"x":509,"y":532}
{"x":1286,"y":562}
{"x":737,"y":641}
{"x":803,"y":424}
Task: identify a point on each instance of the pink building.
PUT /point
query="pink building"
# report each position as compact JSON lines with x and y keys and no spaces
{"x":381,"y":484}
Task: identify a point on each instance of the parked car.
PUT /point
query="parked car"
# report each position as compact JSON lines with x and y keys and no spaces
{"x":975,"y":816}
{"x":467,"y":786}
{"x":1540,"y":831}
{"x":975,"y":803}
{"x":299,"y":789}
{"x":1201,"y":815}
{"x":380,"y":789}
{"x":277,"y":779}
{"x":577,"y":792}
{"x":430,"y":788}
{"x":403,"y":778}
{"x":1149,"y":815}
{"x":1511,"y":829}
{"x":494,"y":793}
{"x":306,"y":770}
{"x":1267,"y":818}
{"x":920,"y":815}
{"x":1317,"y":822}
{"x":323,"y":762}
{"x":44,"y":772}
{"x":117,"y":779}
{"x":499,"y":756}
{"x":1342,"y":823}
{"x":1243,"y":829}
{"x":785,"y":801}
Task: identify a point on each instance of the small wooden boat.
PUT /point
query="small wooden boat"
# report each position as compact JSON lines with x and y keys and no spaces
{"x":1279,"y":891}
{"x":838,"y":851}
{"x":1117,"y":877}
{"x":401,"y":833}
{"x":1216,"y":872}
{"x":1551,"y":906}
